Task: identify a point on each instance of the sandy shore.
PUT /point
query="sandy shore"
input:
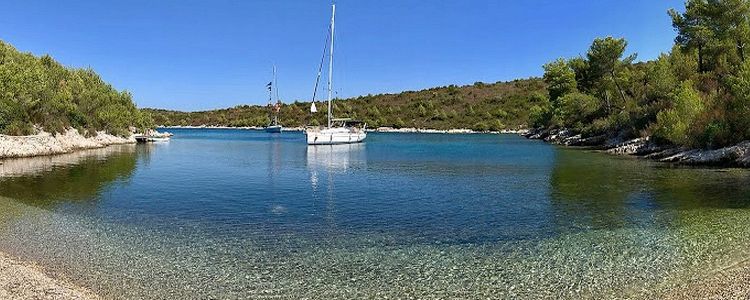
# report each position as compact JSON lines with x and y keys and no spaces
{"x":19,"y":280}
{"x":49,"y":144}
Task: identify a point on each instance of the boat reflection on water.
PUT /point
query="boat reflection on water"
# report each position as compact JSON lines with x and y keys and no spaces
{"x":333,"y":159}
{"x":330,"y":161}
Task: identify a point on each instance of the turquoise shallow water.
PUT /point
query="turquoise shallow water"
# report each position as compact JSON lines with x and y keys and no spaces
{"x":242,"y":214}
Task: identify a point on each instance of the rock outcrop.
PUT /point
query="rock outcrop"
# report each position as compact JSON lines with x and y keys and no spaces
{"x":640,"y":146}
{"x":47,"y":144}
{"x":735,"y":156}
{"x":563,"y":137}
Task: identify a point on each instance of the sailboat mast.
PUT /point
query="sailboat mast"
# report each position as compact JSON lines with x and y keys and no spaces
{"x":275,"y":85}
{"x":330,"y":68}
{"x":276,"y":94}
{"x":270,"y":88}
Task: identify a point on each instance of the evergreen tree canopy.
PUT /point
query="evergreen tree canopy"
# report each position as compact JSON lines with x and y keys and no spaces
{"x":39,"y":92}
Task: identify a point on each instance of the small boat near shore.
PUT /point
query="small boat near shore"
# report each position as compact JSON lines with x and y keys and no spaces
{"x":273,"y":128}
{"x":158,"y":139}
{"x":153,"y":136}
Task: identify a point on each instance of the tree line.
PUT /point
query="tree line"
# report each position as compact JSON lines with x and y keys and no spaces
{"x":479,"y":106}
{"x":696,"y":95}
{"x":38,"y":93}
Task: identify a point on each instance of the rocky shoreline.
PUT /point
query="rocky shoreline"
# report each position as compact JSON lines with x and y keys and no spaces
{"x":444,"y":131}
{"x":378,"y":129}
{"x":732,"y":156}
{"x":48,"y":144}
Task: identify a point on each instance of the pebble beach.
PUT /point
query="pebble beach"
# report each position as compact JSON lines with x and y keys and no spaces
{"x":20,"y":280}
{"x":730,"y":283}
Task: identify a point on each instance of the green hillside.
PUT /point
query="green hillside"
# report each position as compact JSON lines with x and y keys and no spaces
{"x":479,"y":106}
{"x":40,"y":92}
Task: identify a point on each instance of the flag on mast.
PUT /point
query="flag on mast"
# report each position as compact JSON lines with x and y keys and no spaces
{"x":313,"y":109}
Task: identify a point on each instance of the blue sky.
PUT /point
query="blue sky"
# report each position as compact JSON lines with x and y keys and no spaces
{"x":195,"y":55}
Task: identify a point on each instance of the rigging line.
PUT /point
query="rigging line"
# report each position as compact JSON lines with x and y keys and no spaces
{"x":322,"y":61}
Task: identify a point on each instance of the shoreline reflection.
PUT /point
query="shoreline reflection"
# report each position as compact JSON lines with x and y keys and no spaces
{"x":80,"y":176}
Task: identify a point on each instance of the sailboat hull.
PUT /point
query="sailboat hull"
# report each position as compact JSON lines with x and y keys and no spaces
{"x":334,"y":136}
{"x":273,"y":129}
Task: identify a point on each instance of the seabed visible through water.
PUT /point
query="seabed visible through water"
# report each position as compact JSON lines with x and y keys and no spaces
{"x":240,"y":214}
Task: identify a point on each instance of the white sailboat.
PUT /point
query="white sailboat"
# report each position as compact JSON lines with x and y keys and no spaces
{"x":275,"y":126}
{"x":338,"y":131}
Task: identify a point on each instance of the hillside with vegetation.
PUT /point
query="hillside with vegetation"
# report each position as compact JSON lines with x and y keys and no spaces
{"x":697,"y":95}
{"x":481,"y":106}
{"x":38,"y":93}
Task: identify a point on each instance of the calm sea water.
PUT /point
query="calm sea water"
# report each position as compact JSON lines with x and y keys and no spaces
{"x":231,"y":214}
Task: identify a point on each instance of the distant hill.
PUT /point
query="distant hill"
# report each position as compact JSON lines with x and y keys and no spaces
{"x":480,"y":106}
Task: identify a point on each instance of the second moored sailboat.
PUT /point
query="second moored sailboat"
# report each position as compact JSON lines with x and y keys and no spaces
{"x":337,"y":131}
{"x":273,"y":108}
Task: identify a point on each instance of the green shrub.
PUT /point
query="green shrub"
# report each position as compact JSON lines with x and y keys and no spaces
{"x":481,"y":126}
{"x":539,"y":116}
{"x":19,"y":128}
{"x":577,"y":109}
{"x":399,"y":123}
{"x":496,"y":125}
{"x":674,"y":124}
{"x":715,"y":134}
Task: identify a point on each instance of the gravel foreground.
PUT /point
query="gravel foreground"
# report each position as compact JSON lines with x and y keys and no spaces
{"x":20,"y":280}
{"x":730,"y":283}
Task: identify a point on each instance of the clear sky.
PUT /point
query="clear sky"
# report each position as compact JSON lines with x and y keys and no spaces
{"x":195,"y":55}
